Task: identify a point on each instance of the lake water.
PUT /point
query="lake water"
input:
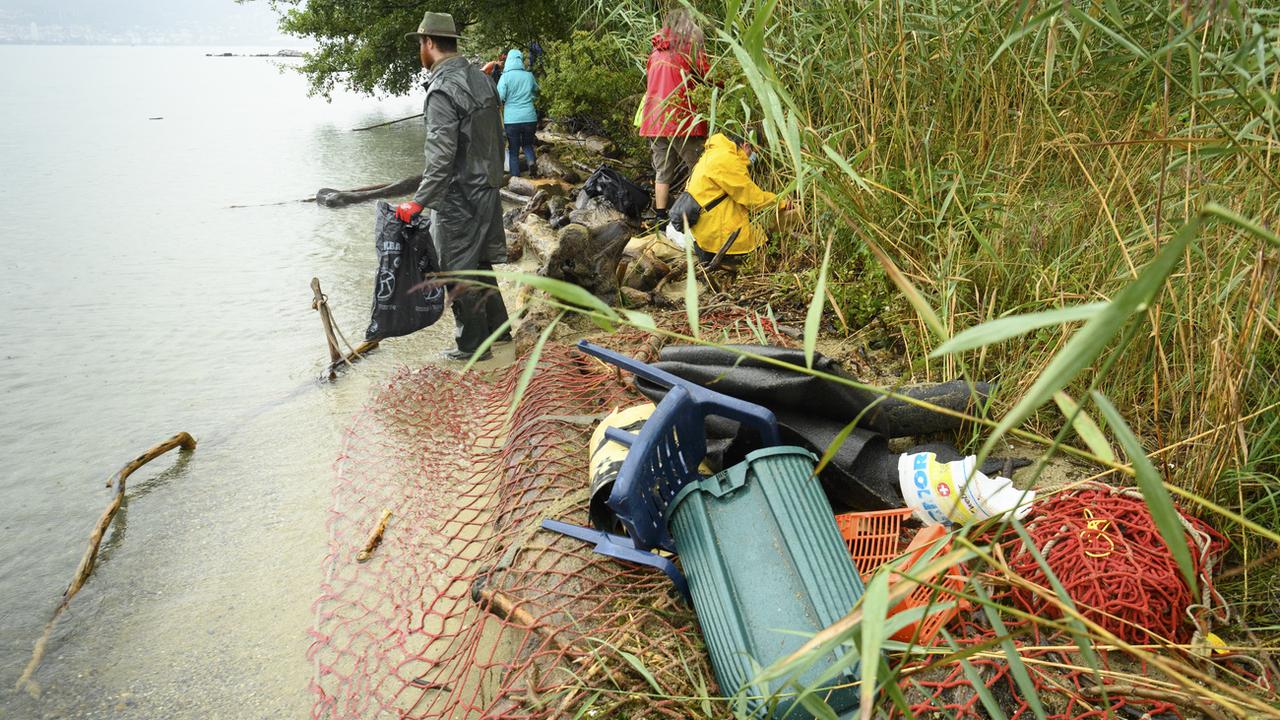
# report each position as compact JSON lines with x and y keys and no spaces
{"x":134,"y":304}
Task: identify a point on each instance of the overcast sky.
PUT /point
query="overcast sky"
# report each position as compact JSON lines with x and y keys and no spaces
{"x":249,"y":22}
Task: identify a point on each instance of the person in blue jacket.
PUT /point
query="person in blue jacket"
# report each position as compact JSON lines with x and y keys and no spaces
{"x":517,"y":89}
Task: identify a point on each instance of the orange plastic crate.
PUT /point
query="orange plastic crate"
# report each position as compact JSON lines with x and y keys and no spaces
{"x":874,"y":538}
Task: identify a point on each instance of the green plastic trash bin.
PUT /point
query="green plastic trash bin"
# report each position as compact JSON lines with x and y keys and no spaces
{"x":766,"y":568}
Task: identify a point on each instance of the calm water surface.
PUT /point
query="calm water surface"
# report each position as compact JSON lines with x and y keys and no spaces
{"x":135,"y":303}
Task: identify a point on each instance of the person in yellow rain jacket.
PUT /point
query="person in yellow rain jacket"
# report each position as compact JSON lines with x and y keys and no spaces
{"x":722,"y":171}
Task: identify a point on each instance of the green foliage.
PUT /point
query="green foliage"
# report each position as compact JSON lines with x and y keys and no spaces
{"x":593,"y":83}
{"x":360,"y":44}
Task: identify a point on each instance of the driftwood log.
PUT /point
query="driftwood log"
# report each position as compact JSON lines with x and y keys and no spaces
{"x":537,"y":236}
{"x":588,"y":257}
{"x":539,"y":205}
{"x":522,"y":186}
{"x":329,"y":197}
{"x":549,"y":165}
{"x":85,"y":568}
{"x":529,"y":187}
{"x":512,"y":197}
{"x":590,"y":143}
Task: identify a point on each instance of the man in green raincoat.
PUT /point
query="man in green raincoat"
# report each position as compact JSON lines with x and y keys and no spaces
{"x":461,"y":179}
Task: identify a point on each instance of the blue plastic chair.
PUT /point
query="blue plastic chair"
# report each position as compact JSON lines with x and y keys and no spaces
{"x":664,"y":456}
{"x":622,"y":548}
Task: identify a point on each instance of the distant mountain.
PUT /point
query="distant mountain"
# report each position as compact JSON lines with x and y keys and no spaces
{"x":140,"y":21}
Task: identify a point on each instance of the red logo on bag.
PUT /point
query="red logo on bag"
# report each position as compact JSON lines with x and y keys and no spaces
{"x":944,"y":489}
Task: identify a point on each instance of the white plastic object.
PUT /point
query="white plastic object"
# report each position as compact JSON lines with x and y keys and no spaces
{"x":956,"y":493}
{"x":675,"y":236}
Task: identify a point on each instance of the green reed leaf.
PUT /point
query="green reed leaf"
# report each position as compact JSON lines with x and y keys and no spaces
{"x":1085,"y":427}
{"x":813,"y":320}
{"x":994,"y":331}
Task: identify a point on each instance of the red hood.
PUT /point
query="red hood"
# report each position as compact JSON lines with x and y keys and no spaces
{"x":669,"y":74}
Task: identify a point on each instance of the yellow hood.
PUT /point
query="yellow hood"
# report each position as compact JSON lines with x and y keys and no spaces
{"x":723,"y":171}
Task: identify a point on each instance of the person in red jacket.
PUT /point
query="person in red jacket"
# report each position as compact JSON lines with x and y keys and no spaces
{"x":668,"y":116}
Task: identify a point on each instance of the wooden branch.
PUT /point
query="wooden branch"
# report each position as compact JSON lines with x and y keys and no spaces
{"x":182,"y":440}
{"x":375,"y":538}
{"x":85,"y":568}
{"x":357,"y":353}
{"x":389,"y":122}
{"x":319,"y":302}
{"x":512,"y":197}
{"x":590,"y":143}
{"x":336,"y":358}
{"x":505,"y":608}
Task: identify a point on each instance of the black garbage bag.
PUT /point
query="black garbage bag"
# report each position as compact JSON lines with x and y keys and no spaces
{"x":629,"y":198}
{"x":811,"y":412}
{"x":406,"y":258}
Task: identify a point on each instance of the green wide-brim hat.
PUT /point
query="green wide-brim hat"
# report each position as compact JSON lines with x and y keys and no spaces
{"x":436,"y":25}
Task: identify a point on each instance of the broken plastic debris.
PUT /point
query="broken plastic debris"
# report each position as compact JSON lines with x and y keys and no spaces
{"x":956,"y":492}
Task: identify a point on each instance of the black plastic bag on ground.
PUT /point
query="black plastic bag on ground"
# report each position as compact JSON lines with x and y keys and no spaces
{"x":406,"y":258}
{"x":629,"y":198}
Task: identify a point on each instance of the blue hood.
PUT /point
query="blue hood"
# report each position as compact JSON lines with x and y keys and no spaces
{"x":517,"y":88}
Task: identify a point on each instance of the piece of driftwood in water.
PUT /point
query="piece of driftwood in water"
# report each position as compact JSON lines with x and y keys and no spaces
{"x":329,"y":197}
{"x":357,"y":353}
{"x":375,"y":537}
{"x":389,"y":122}
{"x":320,"y":302}
{"x":85,"y":568}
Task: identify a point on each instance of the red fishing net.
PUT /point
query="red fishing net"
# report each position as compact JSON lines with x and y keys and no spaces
{"x":1103,"y":546}
{"x":467,"y":608}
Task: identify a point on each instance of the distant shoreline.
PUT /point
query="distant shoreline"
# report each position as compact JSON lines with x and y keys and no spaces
{"x":277,"y":54}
